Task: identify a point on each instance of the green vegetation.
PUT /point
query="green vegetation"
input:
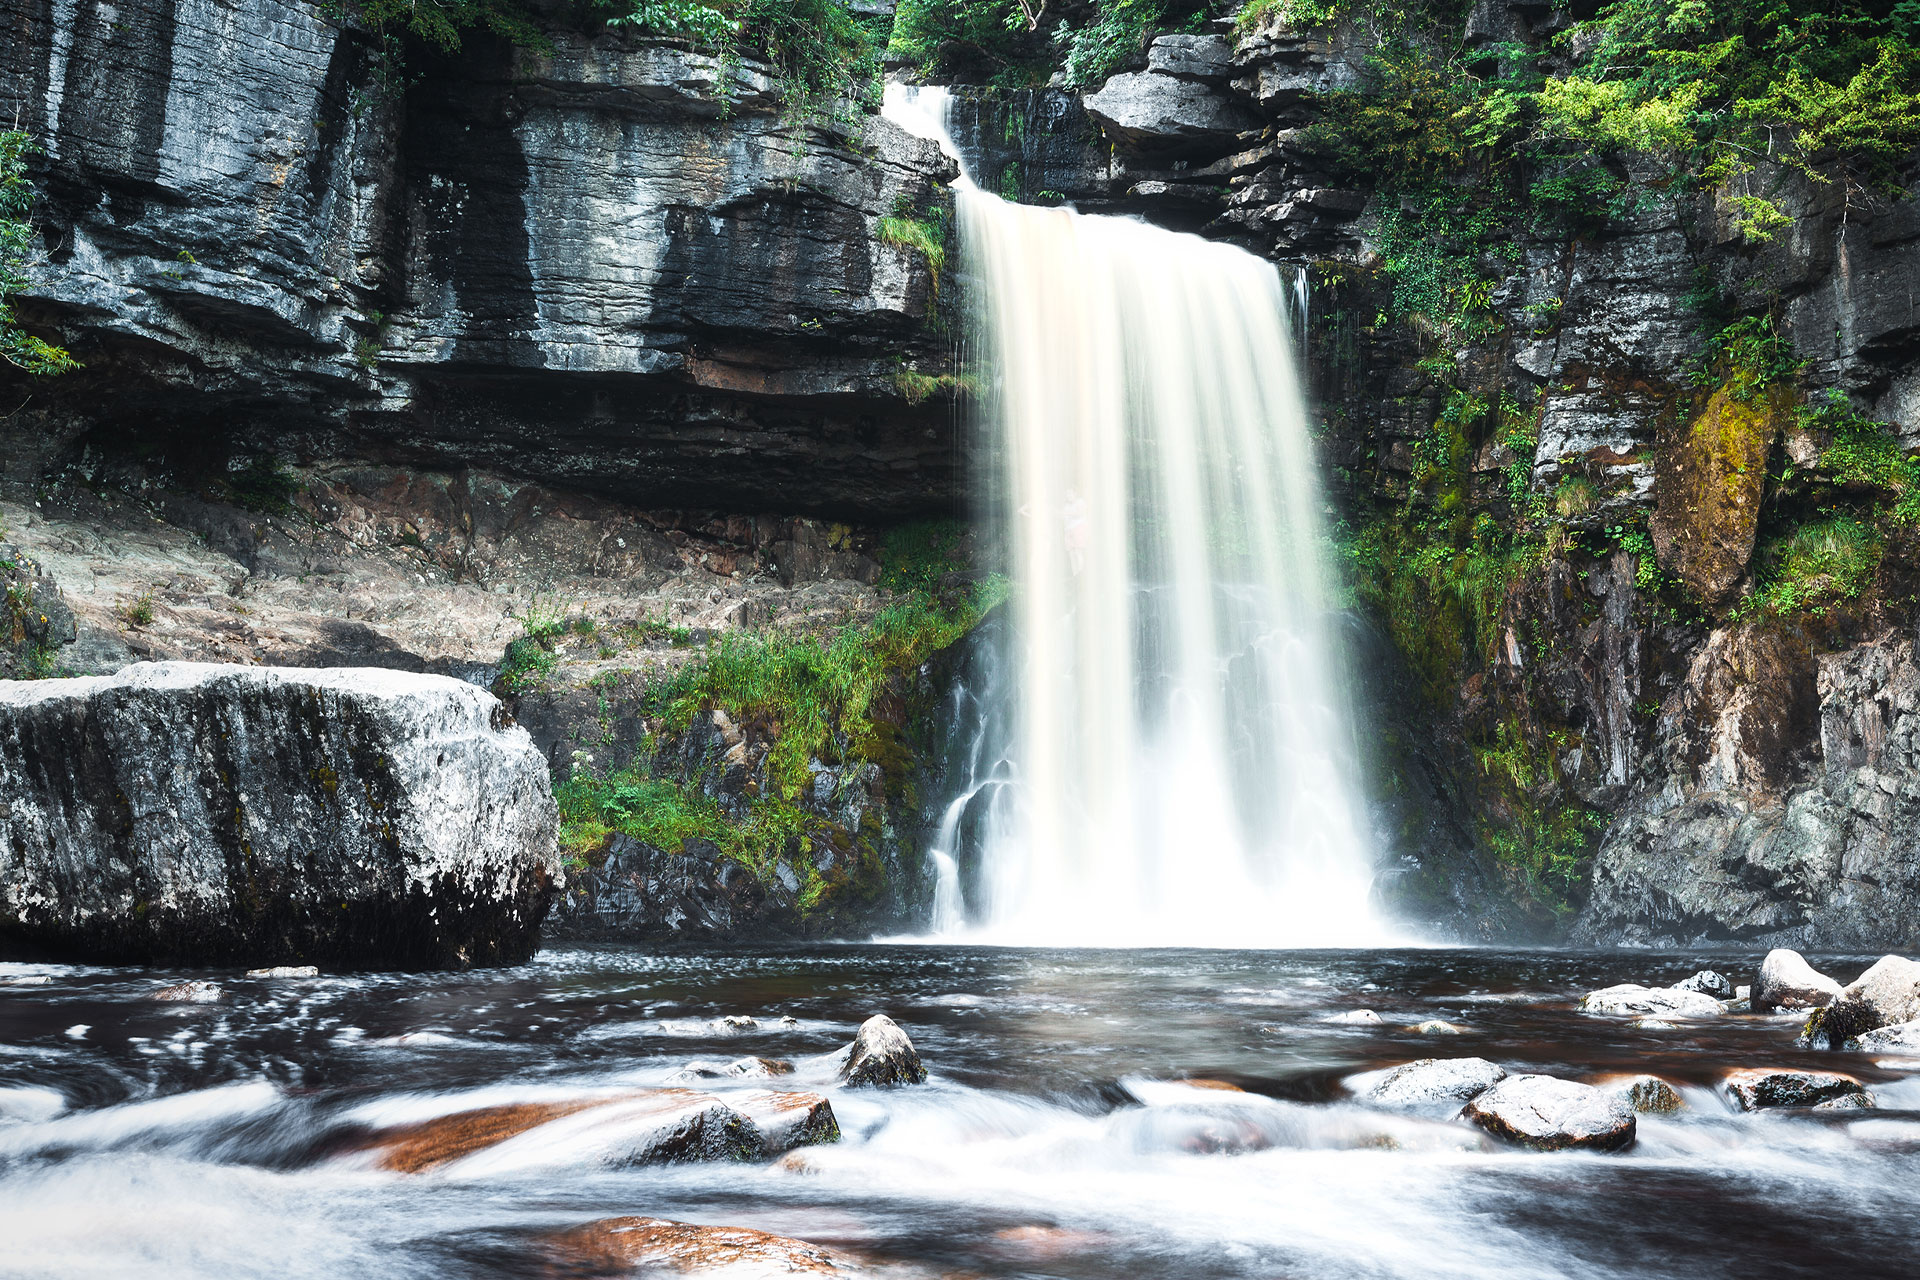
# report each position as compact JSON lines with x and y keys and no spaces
{"x":1546,"y":839}
{"x":1016,"y":44}
{"x":802,"y":696}
{"x":443,"y":23}
{"x":1814,"y":566}
{"x":820,"y":50}
{"x":17,"y":259}
{"x":138,"y":612}
{"x":926,"y":237}
{"x":1437,"y":574}
{"x":816,"y":694}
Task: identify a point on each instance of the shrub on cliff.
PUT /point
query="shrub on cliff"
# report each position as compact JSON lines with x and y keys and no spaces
{"x":17,"y":260}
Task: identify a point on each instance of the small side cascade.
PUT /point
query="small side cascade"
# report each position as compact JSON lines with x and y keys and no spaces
{"x":1180,"y":768}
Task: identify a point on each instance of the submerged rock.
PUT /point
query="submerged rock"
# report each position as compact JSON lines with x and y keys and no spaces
{"x":1888,"y":994}
{"x":1550,"y":1114}
{"x":1629,"y":998}
{"x":1761,"y":1088}
{"x":286,"y":971}
{"x":207,"y":813}
{"x":1435,"y":1082}
{"x":1355,"y":1018}
{"x":1436,"y":1027}
{"x":191,"y":993}
{"x":649,"y":1246}
{"x":881,"y":1056}
{"x":738,"y":1069}
{"x":1787,"y":981}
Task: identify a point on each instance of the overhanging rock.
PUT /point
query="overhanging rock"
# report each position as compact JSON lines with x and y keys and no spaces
{"x":214,"y":814}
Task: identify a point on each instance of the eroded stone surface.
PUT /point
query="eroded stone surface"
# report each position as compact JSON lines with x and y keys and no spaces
{"x":214,"y":814}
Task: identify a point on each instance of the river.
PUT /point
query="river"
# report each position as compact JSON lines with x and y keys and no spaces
{"x":1053,"y":1139}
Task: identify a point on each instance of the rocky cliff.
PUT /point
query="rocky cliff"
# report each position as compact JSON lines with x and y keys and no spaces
{"x":612,"y":262}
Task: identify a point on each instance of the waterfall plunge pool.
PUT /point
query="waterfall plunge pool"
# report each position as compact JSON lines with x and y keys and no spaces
{"x":140,"y":1138}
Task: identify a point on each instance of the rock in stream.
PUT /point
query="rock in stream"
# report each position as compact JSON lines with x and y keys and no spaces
{"x":209,"y":814}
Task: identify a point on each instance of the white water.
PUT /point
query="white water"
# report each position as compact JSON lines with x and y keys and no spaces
{"x":1181,"y":765}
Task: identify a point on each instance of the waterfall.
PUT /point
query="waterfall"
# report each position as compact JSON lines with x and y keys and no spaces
{"x":1181,"y":764}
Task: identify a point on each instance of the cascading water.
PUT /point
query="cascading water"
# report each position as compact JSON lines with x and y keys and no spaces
{"x":1180,"y":769}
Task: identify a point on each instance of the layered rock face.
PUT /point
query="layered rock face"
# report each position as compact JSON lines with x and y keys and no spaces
{"x":212,"y":814}
{"x":615,"y":263}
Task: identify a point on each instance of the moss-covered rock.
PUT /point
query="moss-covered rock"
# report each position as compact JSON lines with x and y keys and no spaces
{"x":1708,"y":485}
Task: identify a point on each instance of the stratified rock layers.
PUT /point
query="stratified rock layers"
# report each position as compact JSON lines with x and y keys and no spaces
{"x":216,"y":814}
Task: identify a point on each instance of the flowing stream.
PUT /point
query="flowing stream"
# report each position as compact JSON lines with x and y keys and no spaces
{"x":1181,"y":767}
{"x":1055,"y":1138}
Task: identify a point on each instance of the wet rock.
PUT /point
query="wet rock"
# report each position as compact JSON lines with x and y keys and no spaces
{"x":1787,"y":981}
{"x":1653,"y":1024}
{"x":881,"y":1056}
{"x":1435,"y":1083}
{"x":1648,"y":1095}
{"x":660,"y":1126}
{"x":1904,"y":1038}
{"x":1435,"y":1027}
{"x":1848,"y":1102}
{"x":1887,"y":994}
{"x":365,"y":818}
{"x":191,"y":993}
{"x":1355,"y":1018}
{"x":1762,"y":1088}
{"x":788,"y":1120}
{"x":286,"y":971}
{"x":649,"y":1246}
{"x":737,"y":1022}
{"x":1709,"y":983}
{"x":1549,"y":1114}
{"x":419,"y":1147}
{"x":1629,"y":998}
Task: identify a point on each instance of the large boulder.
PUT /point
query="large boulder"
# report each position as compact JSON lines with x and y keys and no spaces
{"x":1435,"y":1083}
{"x":1550,"y":1114}
{"x":1787,"y":981}
{"x":1639,"y":1001}
{"x":213,"y":814}
{"x":881,"y":1055}
{"x":1886,"y":995}
{"x":1147,"y":112}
